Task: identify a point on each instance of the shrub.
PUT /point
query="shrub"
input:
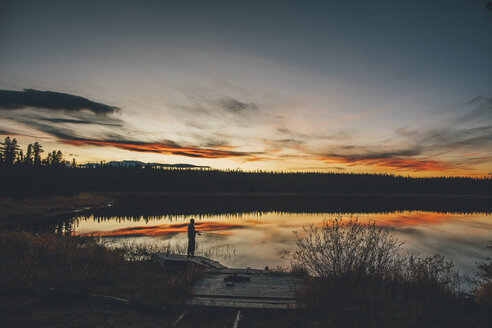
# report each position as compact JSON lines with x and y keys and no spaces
{"x":359,"y":276}
{"x":483,"y":294}
{"x":338,"y":249}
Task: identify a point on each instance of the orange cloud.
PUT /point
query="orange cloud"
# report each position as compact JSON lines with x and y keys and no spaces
{"x":161,"y":148}
{"x":166,"y":229}
{"x":394,"y":163}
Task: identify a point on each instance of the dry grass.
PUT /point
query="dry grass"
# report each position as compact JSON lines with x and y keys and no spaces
{"x":34,"y":260}
{"x":46,"y":311}
{"x":13,"y":209}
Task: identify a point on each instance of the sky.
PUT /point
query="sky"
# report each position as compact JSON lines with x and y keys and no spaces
{"x":399,"y":87}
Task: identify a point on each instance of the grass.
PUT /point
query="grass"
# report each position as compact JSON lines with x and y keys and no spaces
{"x":30,"y":261}
{"x":361,"y":282}
{"x":31,"y":310}
{"x":25,"y":209}
{"x":138,"y":251}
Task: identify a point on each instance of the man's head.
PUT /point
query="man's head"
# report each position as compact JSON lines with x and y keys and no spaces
{"x":192,"y":221}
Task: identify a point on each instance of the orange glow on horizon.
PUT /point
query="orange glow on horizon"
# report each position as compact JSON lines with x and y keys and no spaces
{"x":159,"y":148}
{"x":393,"y":163}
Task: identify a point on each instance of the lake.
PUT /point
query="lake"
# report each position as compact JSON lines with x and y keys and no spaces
{"x":259,"y":238}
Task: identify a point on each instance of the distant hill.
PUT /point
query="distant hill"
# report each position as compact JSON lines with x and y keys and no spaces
{"x":127,"y":164}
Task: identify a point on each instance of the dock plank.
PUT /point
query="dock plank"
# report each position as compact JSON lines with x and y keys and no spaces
{"x":263,"y":290}
{"x":177,"y":258}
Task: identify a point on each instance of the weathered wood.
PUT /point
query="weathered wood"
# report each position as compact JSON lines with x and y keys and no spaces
{"x":197,"y":260}
{"x":263,"y":290}
{"x":175,"y":323}
{"x":260,"y":289}
{"x":261,"y":285}
{"x":242,"y":303}
{"x":237,"y":319}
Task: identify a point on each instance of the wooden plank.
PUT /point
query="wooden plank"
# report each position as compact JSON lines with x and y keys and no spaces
{"x":175,"y":323}
{"x":178,"y":258}
{"x":242,"y":303}
{"x":262,"y":289}
{"x":259,"y":286}
{"x":236,"y":322}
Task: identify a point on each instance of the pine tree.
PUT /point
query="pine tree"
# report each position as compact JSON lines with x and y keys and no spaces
{"x":37,"y":149}
{"x":28,"y":159}
{"x":9,"y":150}
{"x":20,"y":157}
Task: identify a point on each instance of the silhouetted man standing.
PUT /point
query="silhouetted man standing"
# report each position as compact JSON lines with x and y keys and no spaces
{"x":191,"y":238}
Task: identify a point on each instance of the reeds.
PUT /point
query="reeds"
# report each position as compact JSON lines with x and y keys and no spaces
{"x":44,"y":260}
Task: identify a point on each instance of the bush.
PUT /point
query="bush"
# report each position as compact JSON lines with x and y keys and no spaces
{"x":348,"y":250}
{"x":351,"y":249}
{"x":358,"y":275}
{"x":483,"y":294}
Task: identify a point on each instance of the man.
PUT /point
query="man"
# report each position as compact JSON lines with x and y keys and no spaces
{"x":191,"y":238}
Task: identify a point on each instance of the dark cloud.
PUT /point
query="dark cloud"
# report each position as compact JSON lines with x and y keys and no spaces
{"x":235,"y":106}
{"x":215,"y":143}
{"x":67,"y":135}
{"x":478,"y":109}
{"x":450,"y":138}
{"x":74,"y":121}
{"x":357,"y":153}
{"x":5,"y":132}
{"x":397,"y":163}
{"x":417,"y":149}
{"x":55,"y":131}
{"x":55,"y":101}
{"x":165,"y":147}
{"x":291,"y":142}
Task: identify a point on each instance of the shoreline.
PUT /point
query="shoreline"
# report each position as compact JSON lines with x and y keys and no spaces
{"x":39,"y":208}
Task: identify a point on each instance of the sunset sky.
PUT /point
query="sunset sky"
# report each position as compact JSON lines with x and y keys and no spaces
{"x":402,"y":87}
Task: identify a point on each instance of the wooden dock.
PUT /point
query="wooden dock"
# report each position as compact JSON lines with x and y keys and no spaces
{"x":183,"y":259}
{"x":249,"y":288}
{"x":264,"y":290}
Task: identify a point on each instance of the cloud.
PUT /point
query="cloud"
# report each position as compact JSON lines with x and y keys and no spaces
{"x":235,"y":106}
{"x":5,"y":132}
{"x":432,"y":149}
{"x":384,"y":156}
{"x":422,"y":146}
{"x":450,"y":138}
{"x":75,"y":121}
{"x":393,"y":163}
{"x":55,"y":101}
{"x":478,"y":109}
{"x":165,"y":148}
{"x":59,"y":127}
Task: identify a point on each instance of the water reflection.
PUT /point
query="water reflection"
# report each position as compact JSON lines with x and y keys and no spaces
{"x":261,"y":238}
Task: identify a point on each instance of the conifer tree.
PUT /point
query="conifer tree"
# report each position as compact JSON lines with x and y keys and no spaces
{"x":28,"y":159}
{"x":37,"y":149}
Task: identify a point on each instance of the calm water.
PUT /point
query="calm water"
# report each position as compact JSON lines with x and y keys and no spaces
{"x":260,"y":239}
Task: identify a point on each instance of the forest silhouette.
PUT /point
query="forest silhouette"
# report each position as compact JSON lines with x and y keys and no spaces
{"x":30,"y":174}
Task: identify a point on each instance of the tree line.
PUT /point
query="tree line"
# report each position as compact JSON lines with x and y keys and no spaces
{"x":28,"y":174}
{"x":11,"y":154}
